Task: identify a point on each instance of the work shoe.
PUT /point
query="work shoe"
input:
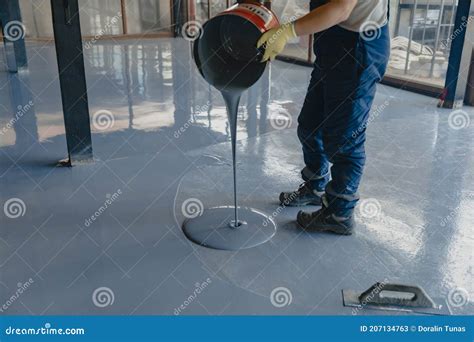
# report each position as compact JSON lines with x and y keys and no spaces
{"x":305,"y":195}
{"x":323,"y":221}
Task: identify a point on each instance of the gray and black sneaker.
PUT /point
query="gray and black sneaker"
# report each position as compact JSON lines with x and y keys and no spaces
{"x":323,"y":221}
{"x":305,"y":195}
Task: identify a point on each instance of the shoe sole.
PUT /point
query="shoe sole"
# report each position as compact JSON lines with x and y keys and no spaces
{"x":330,"y":229}
{"x":300,"y":204}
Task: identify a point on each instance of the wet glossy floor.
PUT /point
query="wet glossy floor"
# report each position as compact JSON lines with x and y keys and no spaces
{"x":106,"y":238}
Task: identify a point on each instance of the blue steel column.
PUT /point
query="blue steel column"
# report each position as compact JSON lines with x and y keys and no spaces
{"x":13,"y":35}
{"x":459,"y":58}
{"x":72,"y":79}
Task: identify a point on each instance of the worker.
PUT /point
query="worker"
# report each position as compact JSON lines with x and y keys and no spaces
{"x":352,"y":47}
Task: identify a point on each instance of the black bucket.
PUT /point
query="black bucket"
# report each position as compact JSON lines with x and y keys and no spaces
{"x":226,"y":53}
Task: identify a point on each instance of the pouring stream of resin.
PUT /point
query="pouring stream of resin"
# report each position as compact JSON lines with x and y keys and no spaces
{"x":230,"y":227}
{"x":232,"y":100}
{"x":229,"y":60}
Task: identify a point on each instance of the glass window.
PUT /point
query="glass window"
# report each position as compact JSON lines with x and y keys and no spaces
{"x":100,"y":17}
{"x":420,"y":40}
{"x":37,"y":18}
{"x":198,"y":10}
{"x":148,"y":16}
{"x":288,"y":11}
{"x":217,"y":6}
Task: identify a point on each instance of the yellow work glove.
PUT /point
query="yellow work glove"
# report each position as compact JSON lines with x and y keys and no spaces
{"x":275,"y":40}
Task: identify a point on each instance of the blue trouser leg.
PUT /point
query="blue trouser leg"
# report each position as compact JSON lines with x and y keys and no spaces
{"x":334,"y":117}
{"x":346,"y":151}
{"x":311,"y":136}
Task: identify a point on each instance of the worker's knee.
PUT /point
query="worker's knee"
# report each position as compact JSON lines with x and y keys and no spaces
{"x":345,"y":149}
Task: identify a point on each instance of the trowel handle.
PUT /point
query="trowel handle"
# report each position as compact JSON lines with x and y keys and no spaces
{"x":396,"y":294}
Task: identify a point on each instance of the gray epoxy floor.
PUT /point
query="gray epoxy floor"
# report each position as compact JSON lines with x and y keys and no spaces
{"x":161,"y":138}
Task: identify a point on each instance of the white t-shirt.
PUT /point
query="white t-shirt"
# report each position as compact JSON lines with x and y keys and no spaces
{"x":367,"y":15}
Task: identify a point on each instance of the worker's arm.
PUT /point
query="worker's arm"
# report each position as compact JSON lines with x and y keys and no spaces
{"x":324,"y":17}
{"x":320,"y":19}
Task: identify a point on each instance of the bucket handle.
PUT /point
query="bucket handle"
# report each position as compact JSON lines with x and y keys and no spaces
{"x":397,"y":295}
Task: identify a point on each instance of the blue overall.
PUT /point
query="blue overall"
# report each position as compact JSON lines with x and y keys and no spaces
{"x":333,"y":120}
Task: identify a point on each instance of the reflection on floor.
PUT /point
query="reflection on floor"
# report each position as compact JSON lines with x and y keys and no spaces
{"x":106,"y":238}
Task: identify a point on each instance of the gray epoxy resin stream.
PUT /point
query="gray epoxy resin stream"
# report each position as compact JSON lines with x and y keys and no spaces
{"x":232,"y":100}
{"x":230,"y":227}
{"x":228,"y":59}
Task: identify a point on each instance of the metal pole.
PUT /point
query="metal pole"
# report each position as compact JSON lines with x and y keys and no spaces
{"x":13,"y":35}
{"x":412,"y":20}
{"x":128,"y":86}
{"x":451,"y":20}
{"x":72,"y":80}
{"x":397,"y":22}
{"x":179,"y":16}
{"x":123,"y":9}
{"x":459,"y":57}
{"x":424,"y":25}
{"x":192,"y":11}
{"x":438,"y":29}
